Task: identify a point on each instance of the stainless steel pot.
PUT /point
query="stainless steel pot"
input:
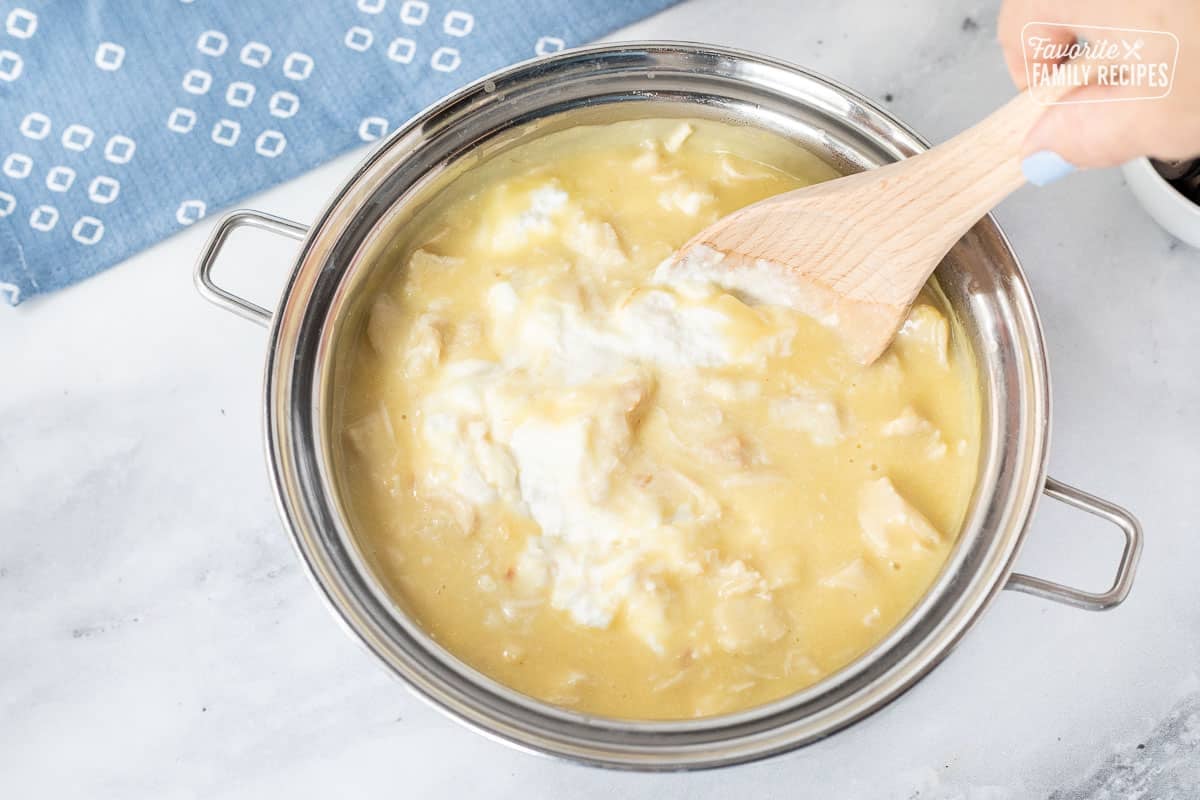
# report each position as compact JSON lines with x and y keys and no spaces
{"x":334,"y":273}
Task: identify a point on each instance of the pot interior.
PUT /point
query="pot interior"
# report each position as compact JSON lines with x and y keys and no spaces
{"x":409,"y":174}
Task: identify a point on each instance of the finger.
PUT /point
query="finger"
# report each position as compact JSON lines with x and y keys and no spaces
{"x":1090,"y":129}
{"x":1021,"y":20}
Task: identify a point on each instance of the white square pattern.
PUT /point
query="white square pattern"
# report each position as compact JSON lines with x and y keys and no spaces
{"x":103,"y":189}
{"x":220,"y":65}
{"x":548,"y":44}
{"x":402,"y":50}
{"x":270,"y":143}
{"x":445,"y":59}
{"x":255,"y":54}
{"x":298,"y":66}
{"x":119,"y":149}
{"x":239,"y":94}
{"x":197,"y":81}
{"x":414,"y":12}
{"x":77,"y":138}
{"x":18,"y":166}
{"x":212,"y":43}
{"x":190,"y":211}
{"x":21,"y":23}
{"x":35,"y":126}
{"x":372,"y":128}
{"x":359,"y":39}
{"x":43,"y":218}
{"x":458,"y":23}
{"x":59,"y":179}
{"x":181,"y":120}
{"x":11,"y":66}
{"x":110,"y":56}
{"x":88,"y":230}
{"x":226,"y":132}
{"x":283,"y":105}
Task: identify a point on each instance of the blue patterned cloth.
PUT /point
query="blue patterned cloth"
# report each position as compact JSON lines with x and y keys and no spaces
{"x":123,"y":121}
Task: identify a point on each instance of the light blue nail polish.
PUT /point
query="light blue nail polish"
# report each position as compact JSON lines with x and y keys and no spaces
{"x":1045,"y":167}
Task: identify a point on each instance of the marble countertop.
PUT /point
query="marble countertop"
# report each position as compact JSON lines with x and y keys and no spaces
{"x":161,"y":640}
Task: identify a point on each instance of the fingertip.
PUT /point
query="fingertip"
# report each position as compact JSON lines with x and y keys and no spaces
{"x":1044,"y":167}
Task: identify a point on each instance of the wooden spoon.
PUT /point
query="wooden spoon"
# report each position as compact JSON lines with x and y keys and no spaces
{"x":853,"y":252}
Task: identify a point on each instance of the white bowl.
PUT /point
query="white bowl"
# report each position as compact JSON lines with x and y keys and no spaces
{"x":1170,"y":209}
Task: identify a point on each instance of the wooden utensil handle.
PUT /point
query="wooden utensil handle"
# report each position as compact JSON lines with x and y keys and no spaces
{"x":971,"y":173}
{"x":858,"y":249}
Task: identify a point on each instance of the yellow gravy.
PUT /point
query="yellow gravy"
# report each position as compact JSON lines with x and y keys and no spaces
{"x":632,"y":494}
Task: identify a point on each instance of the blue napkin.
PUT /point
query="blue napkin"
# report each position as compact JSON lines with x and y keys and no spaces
{"x":121,"y":122}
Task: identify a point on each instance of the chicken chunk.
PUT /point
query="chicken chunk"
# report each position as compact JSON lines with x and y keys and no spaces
{"x":688,"y":199}
{"x":853,"y":577}
{"x":745,"y":616}
{"x":811,"y":412}
{"x":910,"y":423}
{"x":746,"y":621}
{"x":384,"y":323}
{"x":426,"y":341}
{"x":926,"y":328}
{"x":675,"y":139}
{"x":892,"y":528}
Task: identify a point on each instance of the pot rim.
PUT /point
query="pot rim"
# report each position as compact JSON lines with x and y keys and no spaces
{"x":280,"y":441}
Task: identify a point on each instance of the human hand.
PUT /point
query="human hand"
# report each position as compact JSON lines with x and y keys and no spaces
{"x":1103,"y":134}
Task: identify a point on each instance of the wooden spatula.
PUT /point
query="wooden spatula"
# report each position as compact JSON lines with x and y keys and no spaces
{"x":854,"y":252}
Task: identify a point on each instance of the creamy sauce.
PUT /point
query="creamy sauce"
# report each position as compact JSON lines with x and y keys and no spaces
{"x":636,"y":491}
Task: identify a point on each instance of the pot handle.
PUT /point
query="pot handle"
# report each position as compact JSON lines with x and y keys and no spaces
{"x":1068,"y":595}
{"x":239,"y":218}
